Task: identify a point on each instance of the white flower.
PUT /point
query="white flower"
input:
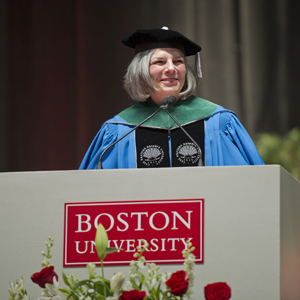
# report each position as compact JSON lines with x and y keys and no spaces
{"x":53,"y":290}
{"x":13,"y":289}
{"x":127,"y":286}
{"x":150,"y":283}
{"x":20,"y":284}
{"x":153,"y":266}
{"x":153,"y":276}
{"x":133,"y":263}
{"x":91,"y":268}
{"x":16,"y":287}
{"x":45,"y":293}
{"x":141,"y":262}
{"x":133,"y":270}
{"x":190,"y":261}
{"x":192,"y":275}
{"x":165,"y":276}
{"x":72,"y":279}
{"x":189,"y":268}
{"x":116,"y":282}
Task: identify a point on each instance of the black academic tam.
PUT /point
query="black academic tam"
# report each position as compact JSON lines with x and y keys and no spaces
{"x":146,"y":39}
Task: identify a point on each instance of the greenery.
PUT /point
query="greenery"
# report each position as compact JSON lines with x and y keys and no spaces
{"x":279,"y":149}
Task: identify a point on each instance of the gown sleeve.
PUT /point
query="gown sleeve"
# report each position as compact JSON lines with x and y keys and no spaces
{"x":102,"y":140}
{"x":227,"y":143}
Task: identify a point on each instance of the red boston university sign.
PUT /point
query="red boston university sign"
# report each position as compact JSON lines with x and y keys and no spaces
{"x":165,"y":224}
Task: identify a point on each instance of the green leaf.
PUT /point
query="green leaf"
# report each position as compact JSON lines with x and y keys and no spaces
{"x":82,"y":283}
{"x":100,"y":297}
{"x":102,"y":288}
{"x":72,"y":295}
{"x":136,"y":287}
{"x":67,"y":291}
{"x":158,"y":291}
{"x":142,"y":278}
{"x":111,"y":250}
{"x":65,"y":279}
{"x":102,"y":278}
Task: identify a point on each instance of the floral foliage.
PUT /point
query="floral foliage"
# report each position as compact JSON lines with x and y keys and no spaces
{"x":281,"y":149}
{"x":145,"y":280}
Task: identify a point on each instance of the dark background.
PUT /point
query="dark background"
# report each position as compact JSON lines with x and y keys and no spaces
{"x":62,"y":64}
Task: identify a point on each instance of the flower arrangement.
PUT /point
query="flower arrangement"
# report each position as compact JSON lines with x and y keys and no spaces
{"x":146,"y":281}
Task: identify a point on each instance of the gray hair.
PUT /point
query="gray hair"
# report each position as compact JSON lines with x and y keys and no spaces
{"x":138,"y":82}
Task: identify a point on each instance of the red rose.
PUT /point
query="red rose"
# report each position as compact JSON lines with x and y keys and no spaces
{"x":178,"y":283}
{"x":44,"y":276}
{"x":217,"y":291}
{"x":132,"y":295}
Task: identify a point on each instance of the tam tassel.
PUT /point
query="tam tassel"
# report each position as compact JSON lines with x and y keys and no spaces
{"x":198,"y":65}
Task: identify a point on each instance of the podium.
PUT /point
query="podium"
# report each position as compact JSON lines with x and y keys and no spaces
{"x":251,"y":222}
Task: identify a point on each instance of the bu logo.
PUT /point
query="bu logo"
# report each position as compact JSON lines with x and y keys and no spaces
{"x":152,"y":155}
{"x":187,"y":153}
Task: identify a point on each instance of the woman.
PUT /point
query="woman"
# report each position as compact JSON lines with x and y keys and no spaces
{"x":159,"y":70}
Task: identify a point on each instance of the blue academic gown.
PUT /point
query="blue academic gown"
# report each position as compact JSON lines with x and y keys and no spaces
{"x":226,"y":141}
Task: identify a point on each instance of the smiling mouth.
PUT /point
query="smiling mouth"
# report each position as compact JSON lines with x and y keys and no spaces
{"x":169,"y":80}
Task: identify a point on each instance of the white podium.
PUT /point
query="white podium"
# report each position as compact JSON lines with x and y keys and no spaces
{"x":251,"y":222}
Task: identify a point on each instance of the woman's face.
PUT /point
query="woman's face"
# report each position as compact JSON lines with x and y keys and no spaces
{"x":167,"y":70}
